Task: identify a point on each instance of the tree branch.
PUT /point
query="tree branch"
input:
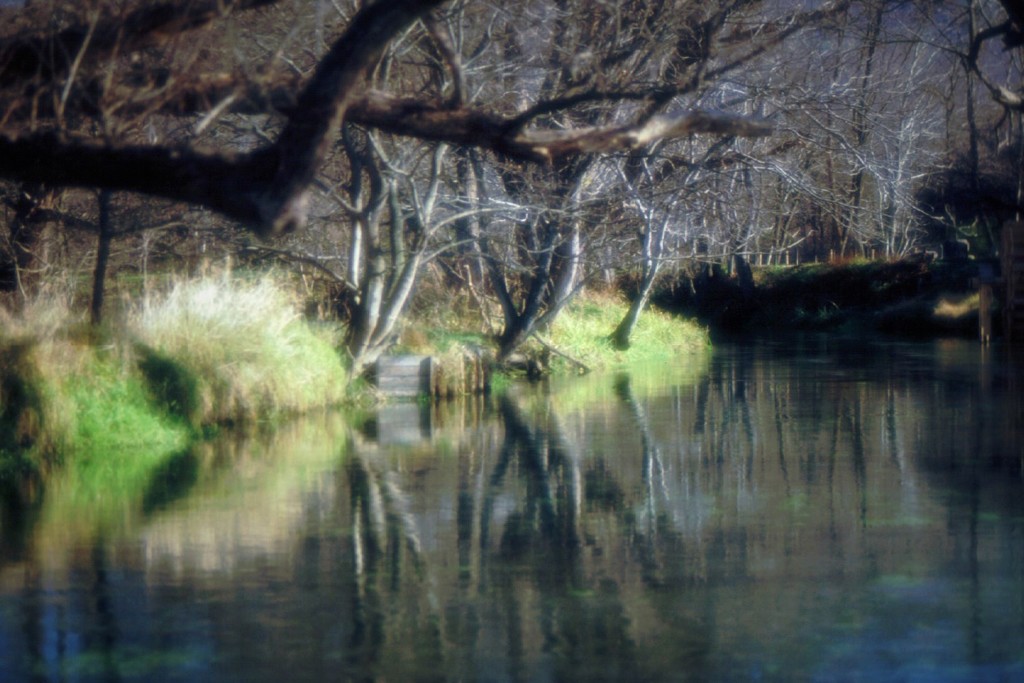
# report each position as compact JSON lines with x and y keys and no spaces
{"x":220,"y":182}
{"x":303,"y":143}
{"x":266,"y":190}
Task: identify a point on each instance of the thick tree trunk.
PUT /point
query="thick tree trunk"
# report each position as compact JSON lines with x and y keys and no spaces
{"x":624,"y":330}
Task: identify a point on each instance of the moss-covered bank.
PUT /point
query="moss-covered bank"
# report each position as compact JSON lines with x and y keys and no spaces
{"x":909,"y":298}
{"x":580,"y":336}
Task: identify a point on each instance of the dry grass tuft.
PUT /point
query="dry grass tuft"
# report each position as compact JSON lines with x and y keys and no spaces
{"x":242,"y":346}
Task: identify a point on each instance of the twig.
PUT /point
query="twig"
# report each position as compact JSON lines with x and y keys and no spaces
{"x":547,"y":345}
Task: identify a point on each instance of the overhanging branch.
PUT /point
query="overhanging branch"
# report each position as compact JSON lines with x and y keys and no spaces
{"x":268,"y":190}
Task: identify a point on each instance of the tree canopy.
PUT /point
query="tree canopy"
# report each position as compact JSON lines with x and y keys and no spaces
{"x":115,"y":64}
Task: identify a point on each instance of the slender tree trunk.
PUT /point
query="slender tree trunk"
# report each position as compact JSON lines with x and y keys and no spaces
{"x":1020,"y":167}
{"x":371,"y":295}
{"x":355,"y":253}
{"x":624,"y":330}
{"x":466,"y":229}
{"x":492,"y":261}
{"x":653,"y":247}
{"x":860,"y":125}
{"x":519,"y":329}
{"x":397,"y":298}
{"x":570,"y":254}
{"x":972,"y":122}
{"x":99,"y":275}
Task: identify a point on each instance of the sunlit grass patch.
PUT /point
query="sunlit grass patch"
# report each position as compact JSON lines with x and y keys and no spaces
{"x":113,"y":415}
{"x":956,"y":307}
{"x":584,"y":328}
{"x":114,"y":404}
{"x":582,"y":331}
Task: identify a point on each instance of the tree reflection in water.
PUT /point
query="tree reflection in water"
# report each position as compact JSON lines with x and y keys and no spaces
{"x":833,"y":513}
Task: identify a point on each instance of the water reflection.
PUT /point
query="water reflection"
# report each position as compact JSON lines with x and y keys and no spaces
{"x":824,"y":509}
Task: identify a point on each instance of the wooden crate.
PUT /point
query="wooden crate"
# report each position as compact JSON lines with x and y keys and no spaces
{"x":406,"y":376}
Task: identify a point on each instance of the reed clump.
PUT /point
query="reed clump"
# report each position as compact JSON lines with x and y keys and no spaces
{"x":226,"y":349}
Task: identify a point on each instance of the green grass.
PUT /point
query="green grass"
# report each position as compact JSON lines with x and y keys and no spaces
{"x":90,"y":433}
{"x":113,"y":413}
{"x":583,"y":330}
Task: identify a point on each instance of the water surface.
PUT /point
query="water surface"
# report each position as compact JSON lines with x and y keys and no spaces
{"x":818,"y":509}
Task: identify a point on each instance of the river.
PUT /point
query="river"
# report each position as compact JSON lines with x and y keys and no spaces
{"x":814,"y":509}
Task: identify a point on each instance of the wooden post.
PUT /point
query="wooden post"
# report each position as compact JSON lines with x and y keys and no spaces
{"x":985,"y":312}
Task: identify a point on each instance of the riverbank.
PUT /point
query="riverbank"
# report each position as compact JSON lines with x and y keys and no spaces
{"x":226,"y":351}
{"x":912,"y":298}
{"x":578,"y":341}
{"x":203,"y":354}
